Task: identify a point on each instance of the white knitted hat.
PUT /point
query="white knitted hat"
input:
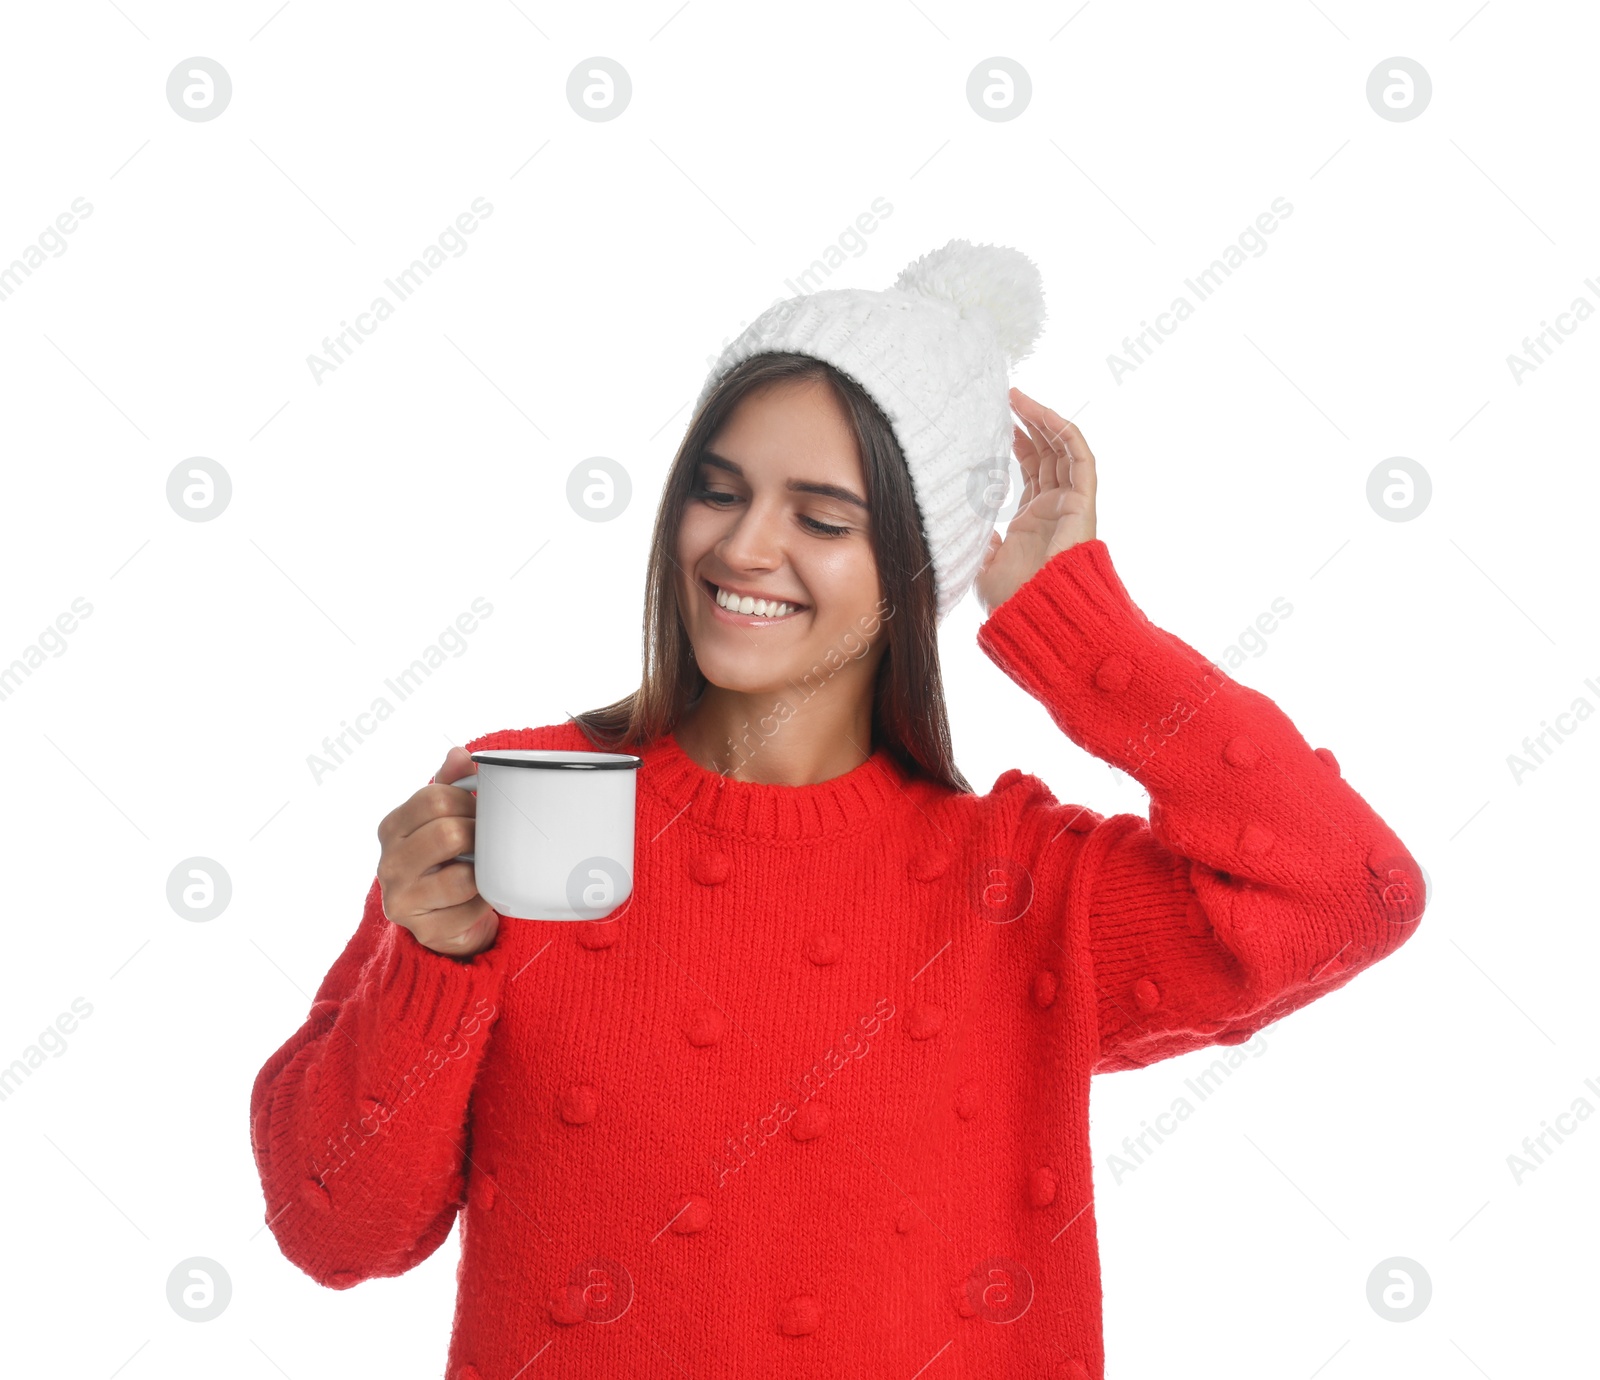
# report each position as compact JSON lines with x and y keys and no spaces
{"x":933,"y":351}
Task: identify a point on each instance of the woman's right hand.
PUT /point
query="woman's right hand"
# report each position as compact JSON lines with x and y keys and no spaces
{"x":422,"y":886}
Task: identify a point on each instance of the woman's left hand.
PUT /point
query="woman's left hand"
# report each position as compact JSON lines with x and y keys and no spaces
{"x":1056,"y":510}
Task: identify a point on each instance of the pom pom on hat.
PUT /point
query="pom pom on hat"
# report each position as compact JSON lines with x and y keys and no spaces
{"x":992,"y":281}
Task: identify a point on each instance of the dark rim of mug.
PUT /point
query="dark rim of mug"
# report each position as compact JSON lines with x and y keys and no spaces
{"x":622,"y":761}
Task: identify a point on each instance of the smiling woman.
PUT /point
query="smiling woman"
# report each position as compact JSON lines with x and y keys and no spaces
{"x":790,"y":486}
{"x":1020,"y":945}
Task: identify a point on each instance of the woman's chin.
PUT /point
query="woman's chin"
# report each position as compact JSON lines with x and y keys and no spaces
{"x":752,"y":675}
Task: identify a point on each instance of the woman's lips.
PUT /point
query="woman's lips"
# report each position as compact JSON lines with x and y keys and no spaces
{"x":746,"y":620}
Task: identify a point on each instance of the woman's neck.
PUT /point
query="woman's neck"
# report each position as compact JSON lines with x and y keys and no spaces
{"x":764,"y":738}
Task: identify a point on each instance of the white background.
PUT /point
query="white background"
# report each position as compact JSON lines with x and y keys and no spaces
{"x":369,"y":510}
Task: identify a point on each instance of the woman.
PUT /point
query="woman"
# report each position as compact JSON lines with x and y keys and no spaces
{"x":815,"y":1099}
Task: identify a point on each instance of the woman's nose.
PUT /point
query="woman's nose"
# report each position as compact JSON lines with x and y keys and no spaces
{"x":754,"y":542}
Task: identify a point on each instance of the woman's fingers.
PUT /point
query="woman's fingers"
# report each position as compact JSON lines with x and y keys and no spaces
{"x":1073,"y":460}
{"x":1047,"y":440}
{"x":1077,"y":460}
{"x":1027,"y":455}
{"x":1084,"y":475}
{"x":457,"y":763}
{"x":1028,"y":461}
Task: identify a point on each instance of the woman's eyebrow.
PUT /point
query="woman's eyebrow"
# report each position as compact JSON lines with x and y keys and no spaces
{"x":803,"y":486}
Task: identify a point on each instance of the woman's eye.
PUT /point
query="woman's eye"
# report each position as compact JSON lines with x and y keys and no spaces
{"x":823,"y":527}
{"x":721,"y":498}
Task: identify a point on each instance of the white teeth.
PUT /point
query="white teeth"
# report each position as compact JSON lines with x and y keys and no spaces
{"x":762,"y":608}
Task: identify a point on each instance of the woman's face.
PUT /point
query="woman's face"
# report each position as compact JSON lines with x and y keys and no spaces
{"x":778,"y":512}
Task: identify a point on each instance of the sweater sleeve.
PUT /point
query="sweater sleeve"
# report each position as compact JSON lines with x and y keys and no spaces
{"x":1260,"y":881}
{"x":358,"y":1121}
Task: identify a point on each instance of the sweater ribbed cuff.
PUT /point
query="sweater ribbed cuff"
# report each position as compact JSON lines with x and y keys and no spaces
{"x":424,"y":1003}
{"x":1072,"y":637}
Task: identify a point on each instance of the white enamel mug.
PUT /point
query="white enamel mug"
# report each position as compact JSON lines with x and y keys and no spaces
{"x":554,"y":833}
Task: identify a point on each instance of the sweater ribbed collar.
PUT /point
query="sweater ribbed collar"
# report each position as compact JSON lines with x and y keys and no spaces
{"x":754,"y":809}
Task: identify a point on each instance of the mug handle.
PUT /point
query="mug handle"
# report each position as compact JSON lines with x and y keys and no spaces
{"x":467,"y":783}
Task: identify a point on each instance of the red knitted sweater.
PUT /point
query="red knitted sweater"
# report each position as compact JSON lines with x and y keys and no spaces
{"x":816,"y":1100}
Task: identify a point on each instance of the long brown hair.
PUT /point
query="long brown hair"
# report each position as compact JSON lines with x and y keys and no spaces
{"x":908,"y":710}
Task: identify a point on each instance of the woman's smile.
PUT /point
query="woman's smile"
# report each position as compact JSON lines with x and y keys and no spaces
{"x":728,"y":607}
